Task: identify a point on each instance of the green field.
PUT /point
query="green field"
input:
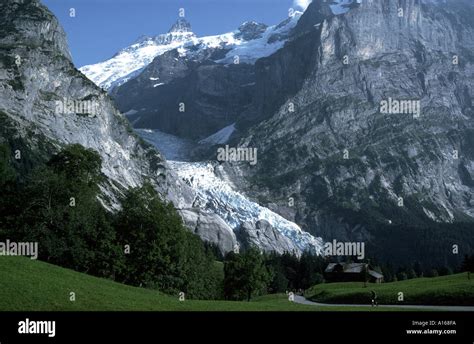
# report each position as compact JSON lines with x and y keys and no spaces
{"x":27,"y":285}
{"x":452,"y":290}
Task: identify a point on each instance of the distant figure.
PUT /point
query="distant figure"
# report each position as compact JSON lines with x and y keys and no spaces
{"x":374,"y":299}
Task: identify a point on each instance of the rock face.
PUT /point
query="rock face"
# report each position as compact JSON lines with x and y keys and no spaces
{"x":362,"y":115}
{"x":261,"y":234}
{"x":326,"y":139}
{"x":38,"y":84}
{"x":187,"y":98}
{"x":210,"y":228}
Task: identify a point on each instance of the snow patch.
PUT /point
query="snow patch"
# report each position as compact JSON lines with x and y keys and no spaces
{"x":172,"y":147}
{"x":130,"y":112}
{"x":220,"y":137}
{"x":301,"y":4}
{"x":342,"y":6}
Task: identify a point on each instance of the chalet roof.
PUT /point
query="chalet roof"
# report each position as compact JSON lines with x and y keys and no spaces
{"x":375,"y":274}
{"x":347,"y":267}
{"x":354,"y":268}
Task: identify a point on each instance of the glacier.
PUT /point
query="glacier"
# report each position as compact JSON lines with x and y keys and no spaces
{"x":215,"y":192}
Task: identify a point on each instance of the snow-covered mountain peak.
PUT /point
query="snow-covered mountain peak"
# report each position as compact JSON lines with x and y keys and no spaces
{"x":249,"y":42}
{"x":181,"y":25}
{"x":131,"y":60}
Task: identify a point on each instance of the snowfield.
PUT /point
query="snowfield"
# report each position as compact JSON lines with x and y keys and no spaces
{"x":127,"y":63}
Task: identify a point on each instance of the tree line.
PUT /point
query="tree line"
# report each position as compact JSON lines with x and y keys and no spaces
{"x":144,"y":243}
{"x":57,"y":204}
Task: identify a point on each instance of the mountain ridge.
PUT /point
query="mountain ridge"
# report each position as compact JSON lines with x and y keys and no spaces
{"x":178,"y":37}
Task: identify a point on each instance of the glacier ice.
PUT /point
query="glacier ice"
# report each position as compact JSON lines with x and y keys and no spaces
{"x":216,"y":194}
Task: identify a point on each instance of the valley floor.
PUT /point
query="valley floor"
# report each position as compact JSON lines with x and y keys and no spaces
{"x":451,"y":290}
{"x":303,"y":301}
{"x":28,"y":285}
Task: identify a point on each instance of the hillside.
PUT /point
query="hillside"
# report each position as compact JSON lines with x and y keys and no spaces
{"x":452,"y":290}
{"x":27,"y":285}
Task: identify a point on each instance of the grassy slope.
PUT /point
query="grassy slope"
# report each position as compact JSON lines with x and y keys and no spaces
{"x":445,"y":290}
{"x":27,"y":285}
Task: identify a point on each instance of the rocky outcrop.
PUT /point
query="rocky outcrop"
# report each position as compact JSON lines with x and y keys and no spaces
{"x":210,"y":228}
{"x":251,"y":30}
{"x":326,"y":141}
{"x":188,"y":98}
{"x":181,"y":25}
{"x":43,"y":98}
{"x":261,"y":234}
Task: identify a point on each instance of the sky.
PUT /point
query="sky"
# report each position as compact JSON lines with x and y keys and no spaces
{"x":101,"y":28}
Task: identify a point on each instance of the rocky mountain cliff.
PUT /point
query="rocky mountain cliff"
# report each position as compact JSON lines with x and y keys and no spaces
{"x":42,"y":102}
{"x":371,"y":126}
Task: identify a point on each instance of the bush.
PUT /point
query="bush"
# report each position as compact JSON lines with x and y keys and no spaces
{"x":432,"y":273}
{"x":402,"y":276}
{"x":411,"y":274}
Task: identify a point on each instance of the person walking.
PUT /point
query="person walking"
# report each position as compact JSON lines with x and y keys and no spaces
{"x":374,"y":298}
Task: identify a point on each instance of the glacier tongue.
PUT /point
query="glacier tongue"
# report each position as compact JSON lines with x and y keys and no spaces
{"x":217,"y":195}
